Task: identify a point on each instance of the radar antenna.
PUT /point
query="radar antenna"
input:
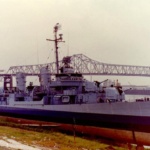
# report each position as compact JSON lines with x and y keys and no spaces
{"x":56,"y":41}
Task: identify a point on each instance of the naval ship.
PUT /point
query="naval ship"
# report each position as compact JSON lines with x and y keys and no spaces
{"x":68,"y":98}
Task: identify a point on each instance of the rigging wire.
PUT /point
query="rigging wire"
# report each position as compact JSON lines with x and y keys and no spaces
{"x":68,"y":46}
{"x":37,"y":48}
{"x":50,"y":53}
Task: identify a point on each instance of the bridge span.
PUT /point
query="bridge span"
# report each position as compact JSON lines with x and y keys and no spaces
{"x":85,"y":65}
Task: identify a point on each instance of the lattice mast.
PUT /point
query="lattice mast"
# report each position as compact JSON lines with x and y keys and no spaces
{"x":56,"y":41}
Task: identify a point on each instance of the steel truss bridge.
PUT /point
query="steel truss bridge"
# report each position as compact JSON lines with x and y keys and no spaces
{"x":85,"y":65}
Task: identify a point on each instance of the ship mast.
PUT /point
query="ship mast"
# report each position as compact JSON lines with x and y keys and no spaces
{"x":56,"y":41}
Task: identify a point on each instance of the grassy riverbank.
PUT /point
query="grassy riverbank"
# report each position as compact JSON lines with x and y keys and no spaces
{"x":49,"y":139}
{"x":55,"y":140}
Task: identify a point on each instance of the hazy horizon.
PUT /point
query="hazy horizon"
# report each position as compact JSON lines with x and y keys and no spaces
{"x":109,"y":31}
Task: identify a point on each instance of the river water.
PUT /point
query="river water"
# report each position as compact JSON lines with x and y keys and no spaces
{"x":132,"y":98}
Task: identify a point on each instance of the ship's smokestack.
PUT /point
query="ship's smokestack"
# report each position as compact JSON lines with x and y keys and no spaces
{"x":21,"y":81}
{"x":44,"y":77}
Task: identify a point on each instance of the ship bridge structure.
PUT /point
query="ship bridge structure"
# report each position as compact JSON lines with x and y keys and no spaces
{"x":86,"y":66}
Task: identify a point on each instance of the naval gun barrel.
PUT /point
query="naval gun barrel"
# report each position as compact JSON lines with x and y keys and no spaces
{"x":98,"y":83}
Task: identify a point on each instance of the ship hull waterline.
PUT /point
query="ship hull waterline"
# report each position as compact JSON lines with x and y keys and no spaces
{"x":131,"y":129}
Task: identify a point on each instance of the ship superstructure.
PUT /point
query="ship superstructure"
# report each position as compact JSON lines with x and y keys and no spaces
{"x":66,"y":87}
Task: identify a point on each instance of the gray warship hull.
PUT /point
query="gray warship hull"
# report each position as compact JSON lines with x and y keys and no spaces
{"x":127,"y":116}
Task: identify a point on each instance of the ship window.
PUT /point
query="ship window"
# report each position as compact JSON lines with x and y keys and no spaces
{"x":65,"y":99}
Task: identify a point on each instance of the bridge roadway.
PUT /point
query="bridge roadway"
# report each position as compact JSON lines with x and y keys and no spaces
{"x":85,"y":65}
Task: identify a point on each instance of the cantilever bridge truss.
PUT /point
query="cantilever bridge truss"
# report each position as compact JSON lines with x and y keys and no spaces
{"x":87,"y":66}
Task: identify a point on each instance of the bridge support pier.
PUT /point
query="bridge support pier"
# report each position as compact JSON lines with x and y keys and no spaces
{"x":7,"y":83}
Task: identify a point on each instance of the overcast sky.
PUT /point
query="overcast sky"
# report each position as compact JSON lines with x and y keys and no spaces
{"x":110,"y":31}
